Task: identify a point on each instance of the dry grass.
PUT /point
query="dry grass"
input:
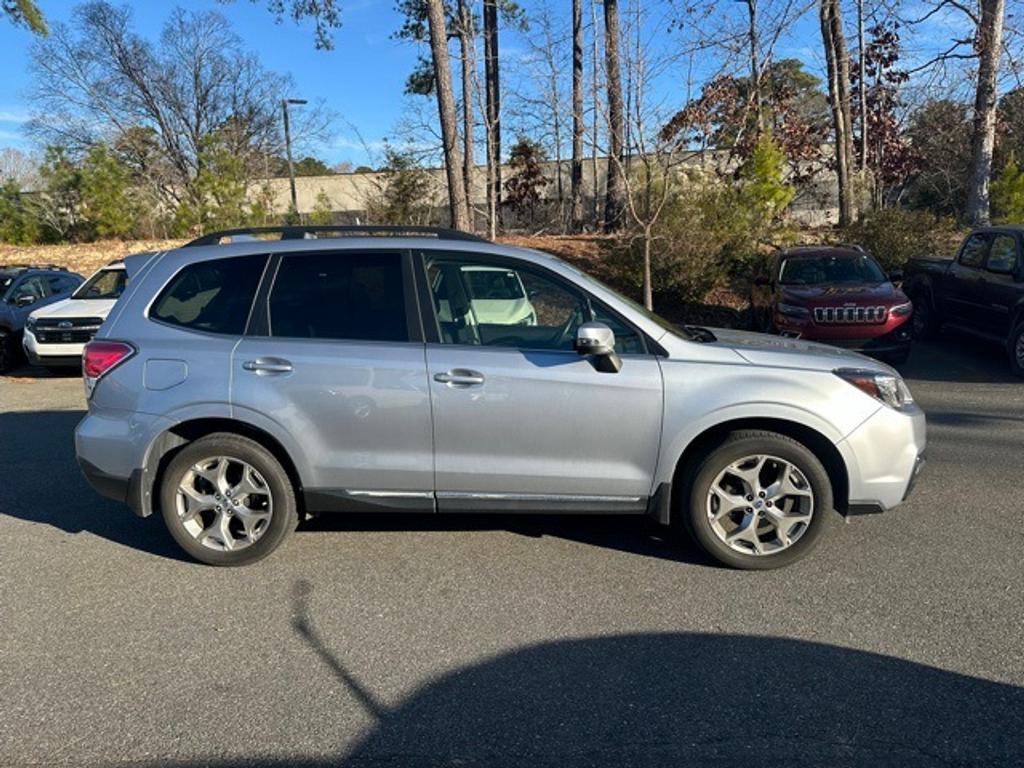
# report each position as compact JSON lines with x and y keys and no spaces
{"x":84,"y":258}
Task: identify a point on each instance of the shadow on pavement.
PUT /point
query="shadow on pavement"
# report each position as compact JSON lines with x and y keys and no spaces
{"x":956,"y":357}
{"x":41,"y":483}
{"x":634,"y":534}
{"x":672,"y":699}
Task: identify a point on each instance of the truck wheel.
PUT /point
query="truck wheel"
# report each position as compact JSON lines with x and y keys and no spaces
{"x":924,"y":323}
{"x":227,"y":500}
{"x":10,"y":351}
{"x":1017,"y":350}
{"x":758,"y":501}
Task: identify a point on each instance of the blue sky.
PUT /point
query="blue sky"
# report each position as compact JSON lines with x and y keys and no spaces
{"x":362,"y":79}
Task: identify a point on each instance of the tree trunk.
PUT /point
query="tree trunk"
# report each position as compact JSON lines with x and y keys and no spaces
{"x":838,"y":60}
{"x":576,"y":172}
{"x":755,"y":67}
{"x":989,"y":45}
{"x":493,"y":108}
{"x":466,"y":42}
{"x":648,"y":286}
{"x":457,"y":204}
{"x":614,"y":200}
{"x":596,"y":94}
{"x":862,"y":79}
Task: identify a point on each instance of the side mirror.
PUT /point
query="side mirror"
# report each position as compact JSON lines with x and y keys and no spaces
{"x":762,"y":281}
{"x":598,"y":340}
{"x":896,"y":275}
{"x":25,"y":300}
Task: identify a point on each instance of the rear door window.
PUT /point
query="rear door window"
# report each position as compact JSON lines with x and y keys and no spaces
{"x":213,"y":296}
{"x":974,"y":250}
{"x":351,"y":296}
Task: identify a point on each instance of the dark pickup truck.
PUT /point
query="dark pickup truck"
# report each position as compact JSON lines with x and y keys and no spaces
{"x":981,"y":291}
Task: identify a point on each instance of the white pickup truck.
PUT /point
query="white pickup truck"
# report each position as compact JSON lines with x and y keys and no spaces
{"x":56,"y":334}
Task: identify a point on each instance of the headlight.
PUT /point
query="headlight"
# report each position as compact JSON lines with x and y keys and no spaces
{"x":902,"y":310}
{"x":30,"y":324}
{"x":884,"y":387}
{"x":792,"y":310}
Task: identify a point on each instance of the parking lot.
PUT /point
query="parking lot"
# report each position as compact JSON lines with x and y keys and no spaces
{"x":476,"y":640}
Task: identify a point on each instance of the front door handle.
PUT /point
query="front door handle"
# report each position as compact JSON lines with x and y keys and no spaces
{"x":460,"y":377}
{"x":265,"y":365}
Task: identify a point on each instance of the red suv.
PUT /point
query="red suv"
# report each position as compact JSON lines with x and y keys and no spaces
{"x":837,"y":295}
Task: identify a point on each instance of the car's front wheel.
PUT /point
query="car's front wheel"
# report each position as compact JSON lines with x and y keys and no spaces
{"x":759,"y":500}
{"x":227,"y":500}
{"x":1016,"y":349}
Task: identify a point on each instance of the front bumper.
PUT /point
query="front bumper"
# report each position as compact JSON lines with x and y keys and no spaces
{"x":894,"y":337}
{"x":884,"y":457}
{"x":52,"y":355}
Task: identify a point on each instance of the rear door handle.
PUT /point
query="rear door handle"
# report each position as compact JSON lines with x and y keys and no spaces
{"x":460,"y":377}
{"x":268,"y":365}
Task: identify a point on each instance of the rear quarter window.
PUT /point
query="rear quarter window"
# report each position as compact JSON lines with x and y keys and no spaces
{"x":213,"y":296}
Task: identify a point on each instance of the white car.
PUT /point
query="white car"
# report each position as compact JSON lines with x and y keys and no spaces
{"x":56,"y":334}
{"x":494,"y":296}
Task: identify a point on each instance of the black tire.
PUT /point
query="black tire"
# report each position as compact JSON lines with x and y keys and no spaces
{"x":1016,"y":350}
{"x":702,"y":474}
{"x":10,"y":351}
{"x":925,"y":322}
{"x":897,"y":358}
{"x":284,"y":514}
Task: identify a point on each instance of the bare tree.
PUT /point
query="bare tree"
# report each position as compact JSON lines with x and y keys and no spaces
{"x":100,"y":81}
{"x":838,"y":60}
{"x":18,"y":167}
{"x":576,"y":171}
{"x":989,"y":45}
{"x":458,"y":203}
{"x":615,"y":192}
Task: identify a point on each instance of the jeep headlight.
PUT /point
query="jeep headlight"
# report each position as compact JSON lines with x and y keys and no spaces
{"x":884,"y":387}
{"x":902,"y":310}
{"x":30,"y":325}
{"x":792,"y":310}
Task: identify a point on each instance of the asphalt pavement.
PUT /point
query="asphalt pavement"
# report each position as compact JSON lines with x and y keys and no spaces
{"x":493,"y":641}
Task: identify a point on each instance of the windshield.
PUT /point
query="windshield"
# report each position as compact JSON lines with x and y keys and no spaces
{"x":105,"y":284}
{"x":678,"y":330}
{"x":6,"y":278}
{"x":493,"y":284}
{"x":812,"y":270}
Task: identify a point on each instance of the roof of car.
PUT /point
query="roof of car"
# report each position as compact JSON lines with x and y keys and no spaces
{"x":824,"y":250}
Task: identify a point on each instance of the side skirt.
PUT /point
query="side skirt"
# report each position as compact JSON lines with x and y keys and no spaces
{"x":351,"y":500}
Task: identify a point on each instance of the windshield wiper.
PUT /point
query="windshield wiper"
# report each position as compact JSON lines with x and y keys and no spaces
{"x":700,"y":334}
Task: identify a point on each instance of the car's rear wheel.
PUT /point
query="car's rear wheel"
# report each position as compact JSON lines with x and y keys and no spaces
{"x":760,"y":500}
{"x":1016,"y":349}
{"x":227,"y":500}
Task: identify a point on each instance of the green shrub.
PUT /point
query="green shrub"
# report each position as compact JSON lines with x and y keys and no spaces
{"x":893,"y":235}
{"x":1008,"y":193}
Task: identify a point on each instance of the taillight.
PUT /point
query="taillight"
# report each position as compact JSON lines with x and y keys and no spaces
{"x":100,"y":356}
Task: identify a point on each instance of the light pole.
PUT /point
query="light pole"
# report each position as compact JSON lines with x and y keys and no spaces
{"x":288,"y":149}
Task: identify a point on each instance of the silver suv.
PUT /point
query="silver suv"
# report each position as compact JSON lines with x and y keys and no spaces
{"x":238,"y":387}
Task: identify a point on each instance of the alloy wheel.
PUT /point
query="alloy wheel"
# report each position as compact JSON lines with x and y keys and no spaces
{"x":224,"y":503}
{"x":760,"y":505}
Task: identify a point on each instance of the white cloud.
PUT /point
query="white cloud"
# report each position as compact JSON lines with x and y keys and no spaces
{"x":13,"y":115}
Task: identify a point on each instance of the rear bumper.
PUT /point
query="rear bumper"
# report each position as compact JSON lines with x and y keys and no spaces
{"x":111,"y":448}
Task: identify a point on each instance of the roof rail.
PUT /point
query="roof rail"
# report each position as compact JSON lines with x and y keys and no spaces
{"x":56,"y":267}
{"x":301,"y":232}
